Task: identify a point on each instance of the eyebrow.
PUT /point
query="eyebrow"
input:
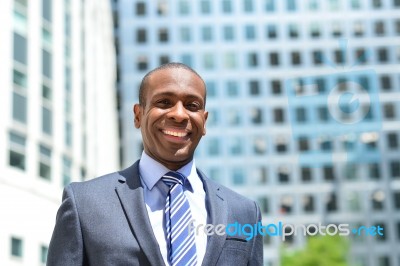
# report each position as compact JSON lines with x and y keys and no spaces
{"x":171,"y":94}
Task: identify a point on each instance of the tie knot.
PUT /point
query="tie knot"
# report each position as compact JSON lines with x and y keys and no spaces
{"x":172,"y":178}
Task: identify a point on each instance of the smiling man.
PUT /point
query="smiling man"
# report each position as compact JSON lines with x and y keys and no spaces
{"x":143,"y":215}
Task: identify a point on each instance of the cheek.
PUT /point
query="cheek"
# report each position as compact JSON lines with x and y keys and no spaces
{"x":201,"y":125}
{"x":150,"y":124}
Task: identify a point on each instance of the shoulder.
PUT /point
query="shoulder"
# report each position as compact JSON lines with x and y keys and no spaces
{"x":104,"y":183}
{"x":100,"y":181}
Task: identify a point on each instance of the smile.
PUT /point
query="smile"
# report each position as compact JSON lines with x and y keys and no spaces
{"x":175,"y":133}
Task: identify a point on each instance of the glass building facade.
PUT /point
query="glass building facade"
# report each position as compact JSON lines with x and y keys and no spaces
{"x":303,"y":101}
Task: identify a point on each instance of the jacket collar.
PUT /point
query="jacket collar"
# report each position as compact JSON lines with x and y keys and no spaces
{"x":130,"y":193}
{"x":217,"y":213}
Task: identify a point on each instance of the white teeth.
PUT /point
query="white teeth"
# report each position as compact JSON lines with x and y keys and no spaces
{"x":174,"y":133}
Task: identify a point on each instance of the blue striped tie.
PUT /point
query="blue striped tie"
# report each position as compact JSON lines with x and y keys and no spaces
{"x":181,"y":242}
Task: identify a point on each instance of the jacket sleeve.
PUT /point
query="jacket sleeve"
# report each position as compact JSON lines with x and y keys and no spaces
{"x":66,"y":245}
{"x":256,"y":258}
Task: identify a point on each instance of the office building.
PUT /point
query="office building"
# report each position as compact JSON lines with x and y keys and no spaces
{"x":303,"y":101}
{"x":58,"y":120}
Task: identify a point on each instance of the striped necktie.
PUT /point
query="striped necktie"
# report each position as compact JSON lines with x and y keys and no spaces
{"x":181,"y":242}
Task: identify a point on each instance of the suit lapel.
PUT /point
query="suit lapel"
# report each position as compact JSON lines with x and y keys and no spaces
{"x":130,"y":193}
{"x":217,"y":214}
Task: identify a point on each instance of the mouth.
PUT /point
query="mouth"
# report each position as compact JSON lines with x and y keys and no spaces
{"x":175,"y":133}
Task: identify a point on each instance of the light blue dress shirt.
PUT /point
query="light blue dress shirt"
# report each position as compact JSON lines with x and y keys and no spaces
{"x":155,"y":193}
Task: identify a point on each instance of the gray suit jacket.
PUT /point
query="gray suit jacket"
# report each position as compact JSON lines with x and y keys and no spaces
{"x":104,"y":221}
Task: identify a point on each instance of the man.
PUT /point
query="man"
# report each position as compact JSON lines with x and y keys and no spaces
{"x":155,"y":211}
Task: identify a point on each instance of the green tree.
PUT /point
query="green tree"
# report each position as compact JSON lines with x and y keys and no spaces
{"x":319,"y":251}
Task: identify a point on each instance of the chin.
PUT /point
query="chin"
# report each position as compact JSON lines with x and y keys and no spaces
{"x":182,"y":155}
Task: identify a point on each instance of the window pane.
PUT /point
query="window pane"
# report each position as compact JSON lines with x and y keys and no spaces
{"x":141,"y":36}
{"x":206,"y":33}
{"x":45,"y":152}
{"x":227,"y":6}
{"x":331,"y":203}
{"x":20,"y":20}
{"x":47,"y":37}
{"x":238,"y":176}
{"x":46,"y":64}
{"x":46,"y":121}
{"x":44,"y":171}
{"x":248,"y":6}
{"x":276,"y":86}
{"x":256,"y":115}
{"x":250,"y":32}
{"x":270,"y":5}
{"x":279,"y":115}
{"x":272,"y":31}
{"x":68,"y":134}
{"x":259,"y":145}
{"x":17,"y":139}
{"x":232,"y":88}
{"x":211,"y":88}
{"x":17,"y":159}
{"x":293,"y":31}
{"x":254,"y":86}
{"x":392,"y":141}
{"x":45,"y":162}
{"x":213,"y":146}
{"x":19,"y":78}
{"x":229,"y":33}
{"x":16,"y":247}
{"x":274,"y":59}
{"x":162,"y":8}
{"x":184,"y":8}
{"x":46,"y":92}
{"x":185,"y":34}
{"x":140,"y":8}
{"x":20,"y":50}
{"x":252,"y":60}
{"x":379,"y":28}
{"x":208,"y":61}
{"x":308,"y":203}
{"x":205,"y":7}
{"x":46,"y":9}
{"x":66,"y":171}
{"x":291,"y":5}
{"x":236,"y":146}
{"x":164,"y":59}
{"x":163,"y":35}
{"x":187,"y":59}
{"x":306,"y":174}
{"x":230,"y":60}
{"x":395,"y":169}
{"x":19,"y":108}
{"x":142,"y":63}
{"x":43,"y":254}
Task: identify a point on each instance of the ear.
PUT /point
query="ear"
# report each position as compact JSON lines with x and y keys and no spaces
{"x":137,"y":111}
{"x":205,"y":120}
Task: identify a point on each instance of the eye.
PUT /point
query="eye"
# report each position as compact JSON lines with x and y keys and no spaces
{"x":163,"y":103}
{"x":194,"y":106}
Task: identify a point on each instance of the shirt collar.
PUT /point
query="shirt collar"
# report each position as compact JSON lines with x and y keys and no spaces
{"x":151,"y":171}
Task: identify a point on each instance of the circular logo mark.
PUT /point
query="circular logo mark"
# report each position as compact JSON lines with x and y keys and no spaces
{"x":345,"y":106}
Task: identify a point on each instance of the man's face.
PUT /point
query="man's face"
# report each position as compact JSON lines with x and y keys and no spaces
{"x":173,"y":119}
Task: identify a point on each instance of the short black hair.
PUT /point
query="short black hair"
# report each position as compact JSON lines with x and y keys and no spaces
{"x":170,"y":65}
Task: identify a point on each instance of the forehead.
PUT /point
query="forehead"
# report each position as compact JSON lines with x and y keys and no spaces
{"x":175,"y":81}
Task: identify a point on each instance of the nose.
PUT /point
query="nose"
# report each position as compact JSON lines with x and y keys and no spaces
{"x":178,"y":112}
